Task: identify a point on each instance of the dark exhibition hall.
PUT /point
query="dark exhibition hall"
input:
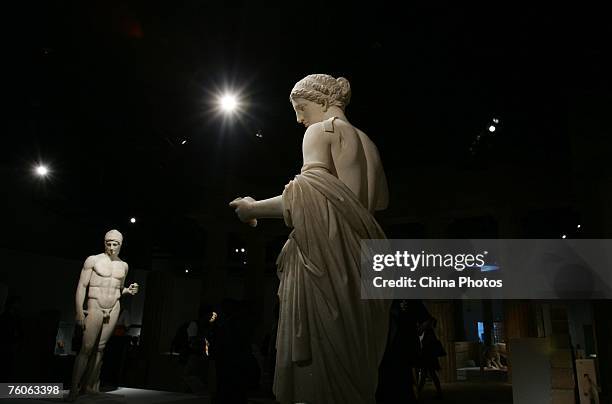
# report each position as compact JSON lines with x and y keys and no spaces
{"x":322,"y":204}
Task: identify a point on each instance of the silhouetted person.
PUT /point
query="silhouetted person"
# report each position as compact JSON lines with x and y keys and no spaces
{"x":230,"y":348}
{"x":431,"y":350}
{"x":190,"y":342}
{"x":396,"y":381}
{"x":180,"y":342}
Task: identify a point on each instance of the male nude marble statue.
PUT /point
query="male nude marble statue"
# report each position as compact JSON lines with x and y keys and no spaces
{"x":102,"y":279}
{"x":330,"y":341}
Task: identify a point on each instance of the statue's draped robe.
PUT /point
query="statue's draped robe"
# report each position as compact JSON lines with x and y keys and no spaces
{"x":329,"y":342}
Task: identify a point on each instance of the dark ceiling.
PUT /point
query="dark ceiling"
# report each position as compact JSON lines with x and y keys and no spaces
{"x":104,"y":93}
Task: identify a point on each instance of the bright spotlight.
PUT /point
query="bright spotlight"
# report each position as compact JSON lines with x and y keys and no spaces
{"x":495,"y":120}
{"x":133,"y":220}
{"x":492,"y":128}
{"x":41,"y":170}
{"x":228,"y":103}
{"x":242,"y":250}
{"x":563,"y":236}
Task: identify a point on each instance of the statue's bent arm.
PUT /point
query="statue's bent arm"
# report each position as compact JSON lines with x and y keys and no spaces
{"x":124,"y":290}
{"x":315,"y":148}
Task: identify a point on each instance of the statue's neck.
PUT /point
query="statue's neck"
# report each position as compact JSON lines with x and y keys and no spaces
{"x":335,"y":112}
{"x":112,"y":257}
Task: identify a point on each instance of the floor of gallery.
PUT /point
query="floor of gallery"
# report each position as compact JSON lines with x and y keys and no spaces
{"x":460,"y":392}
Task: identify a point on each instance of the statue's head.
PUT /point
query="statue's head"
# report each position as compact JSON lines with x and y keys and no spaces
{"x":312,"y":96}
{"x":112,"y":243}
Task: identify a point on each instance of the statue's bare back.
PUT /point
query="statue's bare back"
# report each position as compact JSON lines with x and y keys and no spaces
{"x":351,"y":156}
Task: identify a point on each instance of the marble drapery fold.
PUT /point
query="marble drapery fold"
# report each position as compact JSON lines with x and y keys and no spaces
{"x":330,"y":342}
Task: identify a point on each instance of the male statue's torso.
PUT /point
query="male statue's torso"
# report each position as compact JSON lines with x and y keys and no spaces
{"x":106,"y":280}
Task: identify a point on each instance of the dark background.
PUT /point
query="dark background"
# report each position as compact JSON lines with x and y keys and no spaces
{"x":105,"y":92}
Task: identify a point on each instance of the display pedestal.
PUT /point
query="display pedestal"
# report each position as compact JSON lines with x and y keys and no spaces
{"x":531,"y":376}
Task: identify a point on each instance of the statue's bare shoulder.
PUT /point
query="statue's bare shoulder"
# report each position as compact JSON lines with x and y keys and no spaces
{"x":91,"y":261}
{"x":315,"y":146}
{"x":315,"y":133}
{"x":331,"y":142}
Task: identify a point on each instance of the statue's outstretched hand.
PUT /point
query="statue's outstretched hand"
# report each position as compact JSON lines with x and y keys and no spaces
{"x":244,"y":209}
{"x":133,"y":289}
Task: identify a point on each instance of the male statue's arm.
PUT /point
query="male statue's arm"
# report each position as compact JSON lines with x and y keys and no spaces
{"x":130,"y":290}
{"x":82,"y":289}
{"x":124,"y":290}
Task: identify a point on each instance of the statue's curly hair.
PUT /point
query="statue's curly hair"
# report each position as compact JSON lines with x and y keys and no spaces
{"x":320,"y":88}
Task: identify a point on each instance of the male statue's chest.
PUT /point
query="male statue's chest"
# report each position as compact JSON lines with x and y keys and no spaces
{"x":109,"y":269}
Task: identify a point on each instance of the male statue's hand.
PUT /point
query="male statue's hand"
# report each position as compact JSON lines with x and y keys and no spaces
{"x":80,"y":320}
{"x":213,"y":317}
{"x":133,"y":289}
{"x":244,"y":210}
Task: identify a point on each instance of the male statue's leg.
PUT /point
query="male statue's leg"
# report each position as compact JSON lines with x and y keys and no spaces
{"x":90,"y":365}
{"x":93,"y":382}
{"x":93,"y":326}
{"x":92,"y":378}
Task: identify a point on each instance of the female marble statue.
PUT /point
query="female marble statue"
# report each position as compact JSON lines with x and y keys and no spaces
{"x":330,"y":341}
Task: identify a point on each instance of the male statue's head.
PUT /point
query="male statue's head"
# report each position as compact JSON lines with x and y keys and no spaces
{"x":318,"y":97}
{"x":112,"y":243}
